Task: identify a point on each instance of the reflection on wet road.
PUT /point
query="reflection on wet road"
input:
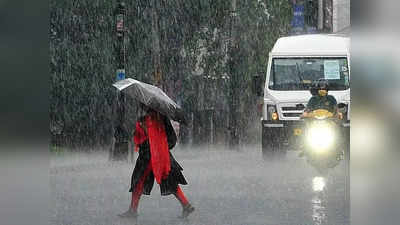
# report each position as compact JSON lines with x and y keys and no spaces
{"x":226,"y":187}
{"x":318,"y":201}
{"x":319,"y":210}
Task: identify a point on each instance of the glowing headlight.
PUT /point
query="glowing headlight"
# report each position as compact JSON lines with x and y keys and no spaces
{"x":272,"y":113}
{"x":320,"y":137}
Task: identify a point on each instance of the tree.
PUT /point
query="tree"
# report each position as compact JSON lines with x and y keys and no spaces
{"x":192,"y":36}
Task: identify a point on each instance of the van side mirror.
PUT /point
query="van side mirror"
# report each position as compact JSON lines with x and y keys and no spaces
{"x":257,"y":87}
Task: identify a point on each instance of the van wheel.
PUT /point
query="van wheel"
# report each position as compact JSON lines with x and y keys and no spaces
{"x":270,"y":151}
{"x":270,"y":145}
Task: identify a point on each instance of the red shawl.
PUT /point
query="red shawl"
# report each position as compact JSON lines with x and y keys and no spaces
{"x":160,"y":160}
{"x":139,"y":136}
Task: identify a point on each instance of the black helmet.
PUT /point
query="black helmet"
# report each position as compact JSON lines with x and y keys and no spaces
{"x":322,"y":84}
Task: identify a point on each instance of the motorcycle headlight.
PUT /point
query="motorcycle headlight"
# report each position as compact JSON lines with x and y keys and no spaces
{"x":320,"y":137}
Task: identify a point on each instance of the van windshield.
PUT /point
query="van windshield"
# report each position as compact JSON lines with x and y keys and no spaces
{"x":299,"y":73}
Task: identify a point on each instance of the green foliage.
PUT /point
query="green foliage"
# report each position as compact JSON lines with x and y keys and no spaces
{"x":83,"y":59}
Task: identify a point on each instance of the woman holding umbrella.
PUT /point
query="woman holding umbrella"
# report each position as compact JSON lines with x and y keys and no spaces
{"x":154,"y":136}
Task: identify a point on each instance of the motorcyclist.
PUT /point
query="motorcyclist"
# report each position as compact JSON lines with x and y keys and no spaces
{"x":320,"y":99}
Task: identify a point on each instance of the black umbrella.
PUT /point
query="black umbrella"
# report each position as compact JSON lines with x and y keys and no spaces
{"x":152,"y":96}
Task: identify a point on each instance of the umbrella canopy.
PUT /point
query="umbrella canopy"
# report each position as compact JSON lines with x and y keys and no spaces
{"x":152,"y":96}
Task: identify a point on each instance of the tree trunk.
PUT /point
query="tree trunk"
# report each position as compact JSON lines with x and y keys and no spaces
{"x":233,"y":92}
{"x":320,"y":14}
{"x":156,"y":54}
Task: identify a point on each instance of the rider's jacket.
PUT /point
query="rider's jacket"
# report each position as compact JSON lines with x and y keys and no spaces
{"x":327,"y":102}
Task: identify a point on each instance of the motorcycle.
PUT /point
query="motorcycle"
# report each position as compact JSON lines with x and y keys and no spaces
{"x":322,"y":141}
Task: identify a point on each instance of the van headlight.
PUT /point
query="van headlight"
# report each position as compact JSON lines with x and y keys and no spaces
{"x":320,"y":137}
{"x":272,"y":113}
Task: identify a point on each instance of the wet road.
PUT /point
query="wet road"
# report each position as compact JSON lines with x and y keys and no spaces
{"x":225,"y":187}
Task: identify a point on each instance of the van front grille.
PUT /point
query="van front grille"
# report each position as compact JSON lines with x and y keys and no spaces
{"x":291,"y":111}
{"x":293,"y":108}
{"x":291,"y":114}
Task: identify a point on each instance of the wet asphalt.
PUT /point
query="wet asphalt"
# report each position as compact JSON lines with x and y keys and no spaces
{"x":225,"y":187}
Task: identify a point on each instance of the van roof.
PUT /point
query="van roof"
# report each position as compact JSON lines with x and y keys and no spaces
{"x":312,"y":44}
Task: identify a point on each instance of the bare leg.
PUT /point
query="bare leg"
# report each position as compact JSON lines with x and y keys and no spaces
{"x":136,"y":194}
{"x":186,"y":206}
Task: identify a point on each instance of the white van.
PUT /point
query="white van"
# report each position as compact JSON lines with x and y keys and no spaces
{"x":294,"y":63}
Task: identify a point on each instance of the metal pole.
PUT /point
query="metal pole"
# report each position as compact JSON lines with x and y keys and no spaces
{"x":233,"y":139}
{"x":120,"y":148}
{"x":120,"y":25}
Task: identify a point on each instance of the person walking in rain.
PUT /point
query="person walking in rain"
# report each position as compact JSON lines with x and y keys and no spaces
{"x":154,"y":136}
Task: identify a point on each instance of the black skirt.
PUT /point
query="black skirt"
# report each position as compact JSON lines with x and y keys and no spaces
{"x":168,"y":186}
